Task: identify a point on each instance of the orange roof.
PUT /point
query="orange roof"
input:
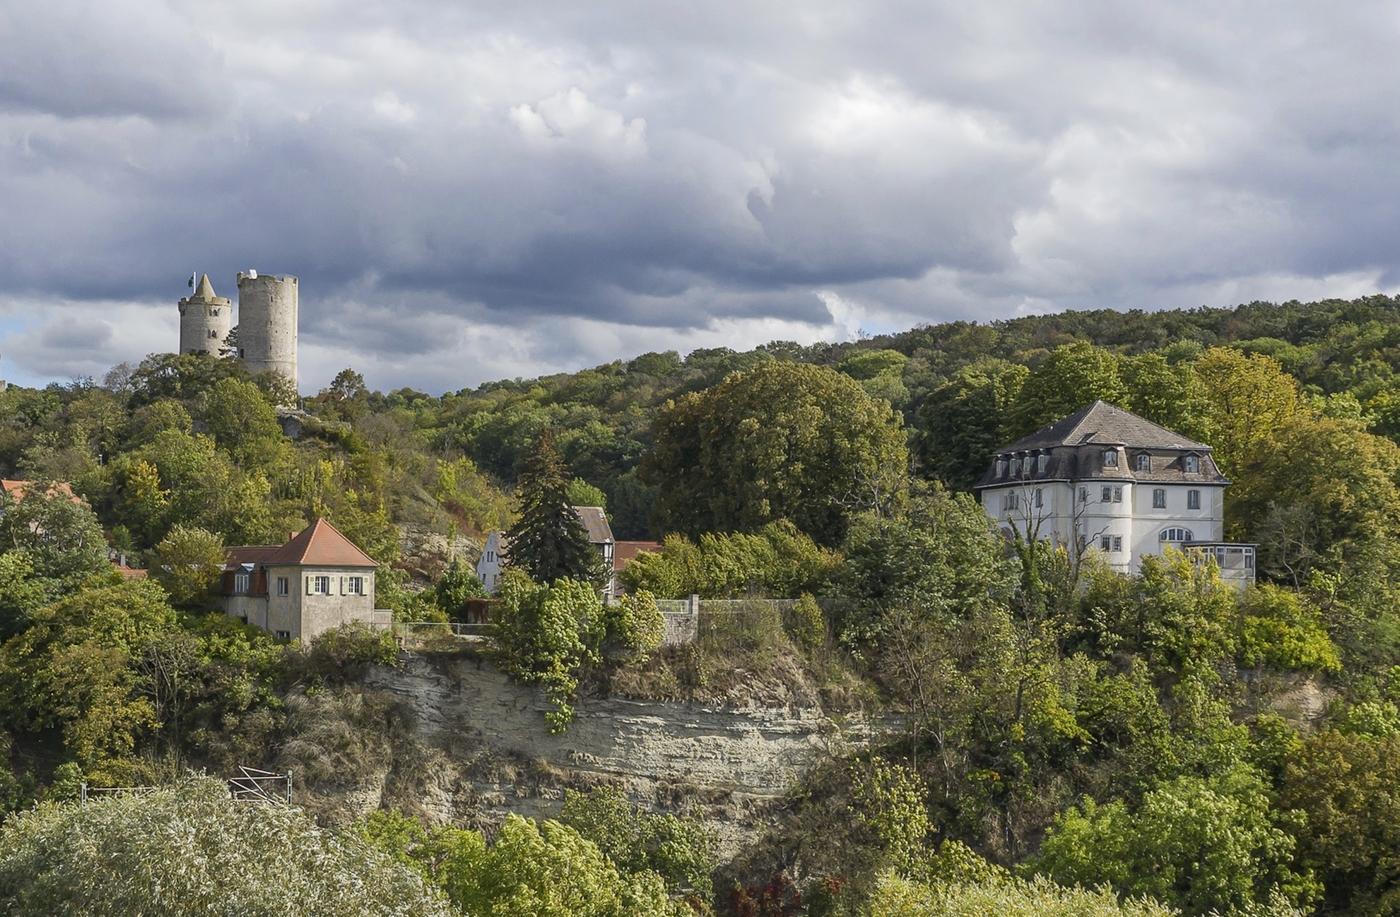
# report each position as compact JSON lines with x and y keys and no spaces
{"x":17,"y":489}
{"x":320,"y":544}
{"x":624,"y":552}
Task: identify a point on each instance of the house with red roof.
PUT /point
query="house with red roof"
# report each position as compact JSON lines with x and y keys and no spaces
{"x":317,"y":581}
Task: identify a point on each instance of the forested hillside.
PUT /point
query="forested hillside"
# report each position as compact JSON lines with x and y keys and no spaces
{"x":1070,"y":740}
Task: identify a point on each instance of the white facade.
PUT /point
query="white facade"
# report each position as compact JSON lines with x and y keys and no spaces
{"x":490,"y":566}
{"x":1125,"y":527}
{"x":1106,"y":481}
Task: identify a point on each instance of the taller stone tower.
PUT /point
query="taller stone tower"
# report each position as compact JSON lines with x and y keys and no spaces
{"x":205,"y":320}
{"x":267,"y":323}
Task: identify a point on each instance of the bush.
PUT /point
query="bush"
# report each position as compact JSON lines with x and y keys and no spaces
{"x":896,"y":897}
{"x":680,"y":850}
{"x":634,"y":624}
{"x":806,"y":624}
{"x":191,"y":850}
{"x":342,"y":655}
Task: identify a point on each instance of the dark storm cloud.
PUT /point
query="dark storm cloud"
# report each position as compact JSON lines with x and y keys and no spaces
{"x":499,"y":189}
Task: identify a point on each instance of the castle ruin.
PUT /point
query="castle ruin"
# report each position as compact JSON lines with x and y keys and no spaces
{"x":267,"y":322}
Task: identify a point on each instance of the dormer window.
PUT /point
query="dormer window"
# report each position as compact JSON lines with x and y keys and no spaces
{"x":1144,"y":462}
{"x":1110,"y":458}
{"x":1001,"y":466}
{"x":1016,"y":467}
{"x":1192,"y":464}
{"x":1042,"y":463}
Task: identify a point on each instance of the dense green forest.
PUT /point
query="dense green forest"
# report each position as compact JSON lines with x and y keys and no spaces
{"x":1072,"y":741}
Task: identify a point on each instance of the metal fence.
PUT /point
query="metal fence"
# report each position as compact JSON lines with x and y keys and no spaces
{"x":687,"y":620}
{"x":249,"y":785}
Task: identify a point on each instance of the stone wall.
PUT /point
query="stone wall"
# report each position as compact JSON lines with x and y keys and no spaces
{"x":473,"y":745}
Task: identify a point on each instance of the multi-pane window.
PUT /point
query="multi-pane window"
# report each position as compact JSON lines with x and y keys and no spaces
{"x":1039,"y":497}
{"x":284,"y":587}
{"x":1144,"y":462}
{"x":355,"y":585}
{"x":1083,"y":495}
{"x":1016,"y":467}
{"x":1117,"y":543}
{"x":1175,"y":534}
{"x":1193,"y":464}
{"x":241,"y":582}
{"x":1118,"y":495}
{"x":284,"y":635}
{"x":1193,"y":499}
{"x":1159,"y":498}
{"x":1106,"y":495}
{"x":1110,"y":458}
{"x":1105,"y":544}
{"x":320,"y":585}
{"x":1008,"y":500}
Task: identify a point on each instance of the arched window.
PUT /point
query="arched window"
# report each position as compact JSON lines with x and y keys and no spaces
{"x":1176,"y":535}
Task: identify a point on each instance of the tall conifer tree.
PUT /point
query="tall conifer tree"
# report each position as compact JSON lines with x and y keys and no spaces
{"x":548,"y":541}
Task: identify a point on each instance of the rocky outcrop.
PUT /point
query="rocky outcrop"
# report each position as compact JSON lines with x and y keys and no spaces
{"x":470,"y":744}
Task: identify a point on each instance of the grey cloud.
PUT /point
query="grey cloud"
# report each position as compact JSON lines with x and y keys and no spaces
{"x":633,"y":173}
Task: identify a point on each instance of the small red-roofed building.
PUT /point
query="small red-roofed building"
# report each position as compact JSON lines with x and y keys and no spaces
{"x":317,"y":581}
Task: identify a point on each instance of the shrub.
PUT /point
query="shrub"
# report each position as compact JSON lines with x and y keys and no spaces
{"x":806,"y":624}
{"x":191,"y":850}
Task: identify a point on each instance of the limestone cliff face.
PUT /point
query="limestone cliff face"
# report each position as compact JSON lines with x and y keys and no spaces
{"x":470,"y":744}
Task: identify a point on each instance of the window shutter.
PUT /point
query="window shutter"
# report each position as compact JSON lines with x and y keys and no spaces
{"x":342,"y":585}
{"x":309,"y":585}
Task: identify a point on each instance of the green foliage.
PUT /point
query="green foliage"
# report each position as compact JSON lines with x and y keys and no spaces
{"x":633,"y":625}
{"x":188,"y":563}
{"x":458,"y":584}
{"x":581,"y":493}
{"x":681,"y":850}
{"x":782,"y":441}
{"x":776,"y":562}
{"x":1279,"y":628}
{"x":1072,"y":376}
{"x":889,"y":799}
{"x":342,"y":655}
{"x":1199,"y":844}
{"x":444,"y":856}
{"x":548,"y":541}
{"x":897,"y":897}
{"x":550,"y":870}
{"x":22,"y":593}
{"x":242,"y":422}
{"x":546,"y":634}
{"x":191,"y":850}
{"x":60,"y":537}
{"x":1348,"y":786}
{"x":806,"y":623}
{"x":965,"y":420}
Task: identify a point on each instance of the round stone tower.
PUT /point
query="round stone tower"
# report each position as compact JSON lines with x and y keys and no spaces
{"x":267,"y":323}
{"x":204,"y":320}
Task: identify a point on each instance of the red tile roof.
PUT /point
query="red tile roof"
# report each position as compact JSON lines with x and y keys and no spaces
{"x":17,"y":489}
{"x":320,"y":544}
{"x":624,"y":552}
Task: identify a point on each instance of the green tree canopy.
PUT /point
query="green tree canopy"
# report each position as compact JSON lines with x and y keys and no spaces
{"x":188,"y":563}
{"x":1199,"y":844}
{"x":1072,"y":376}
{"x":780,"y":441}
{"x":191,"y":851}
{"x":548,"y":541}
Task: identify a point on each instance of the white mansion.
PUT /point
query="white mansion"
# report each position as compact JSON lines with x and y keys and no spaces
{"x":1104,"y":479}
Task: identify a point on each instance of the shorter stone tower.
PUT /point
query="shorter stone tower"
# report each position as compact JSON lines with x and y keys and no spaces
{"x":205,"y":320}
{"x":267,"y":323}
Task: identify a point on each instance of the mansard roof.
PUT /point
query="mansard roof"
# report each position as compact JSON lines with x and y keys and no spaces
{"x":1102,"y":423}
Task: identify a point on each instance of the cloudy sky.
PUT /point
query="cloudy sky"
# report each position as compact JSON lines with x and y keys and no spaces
{"x":472,"y":190}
